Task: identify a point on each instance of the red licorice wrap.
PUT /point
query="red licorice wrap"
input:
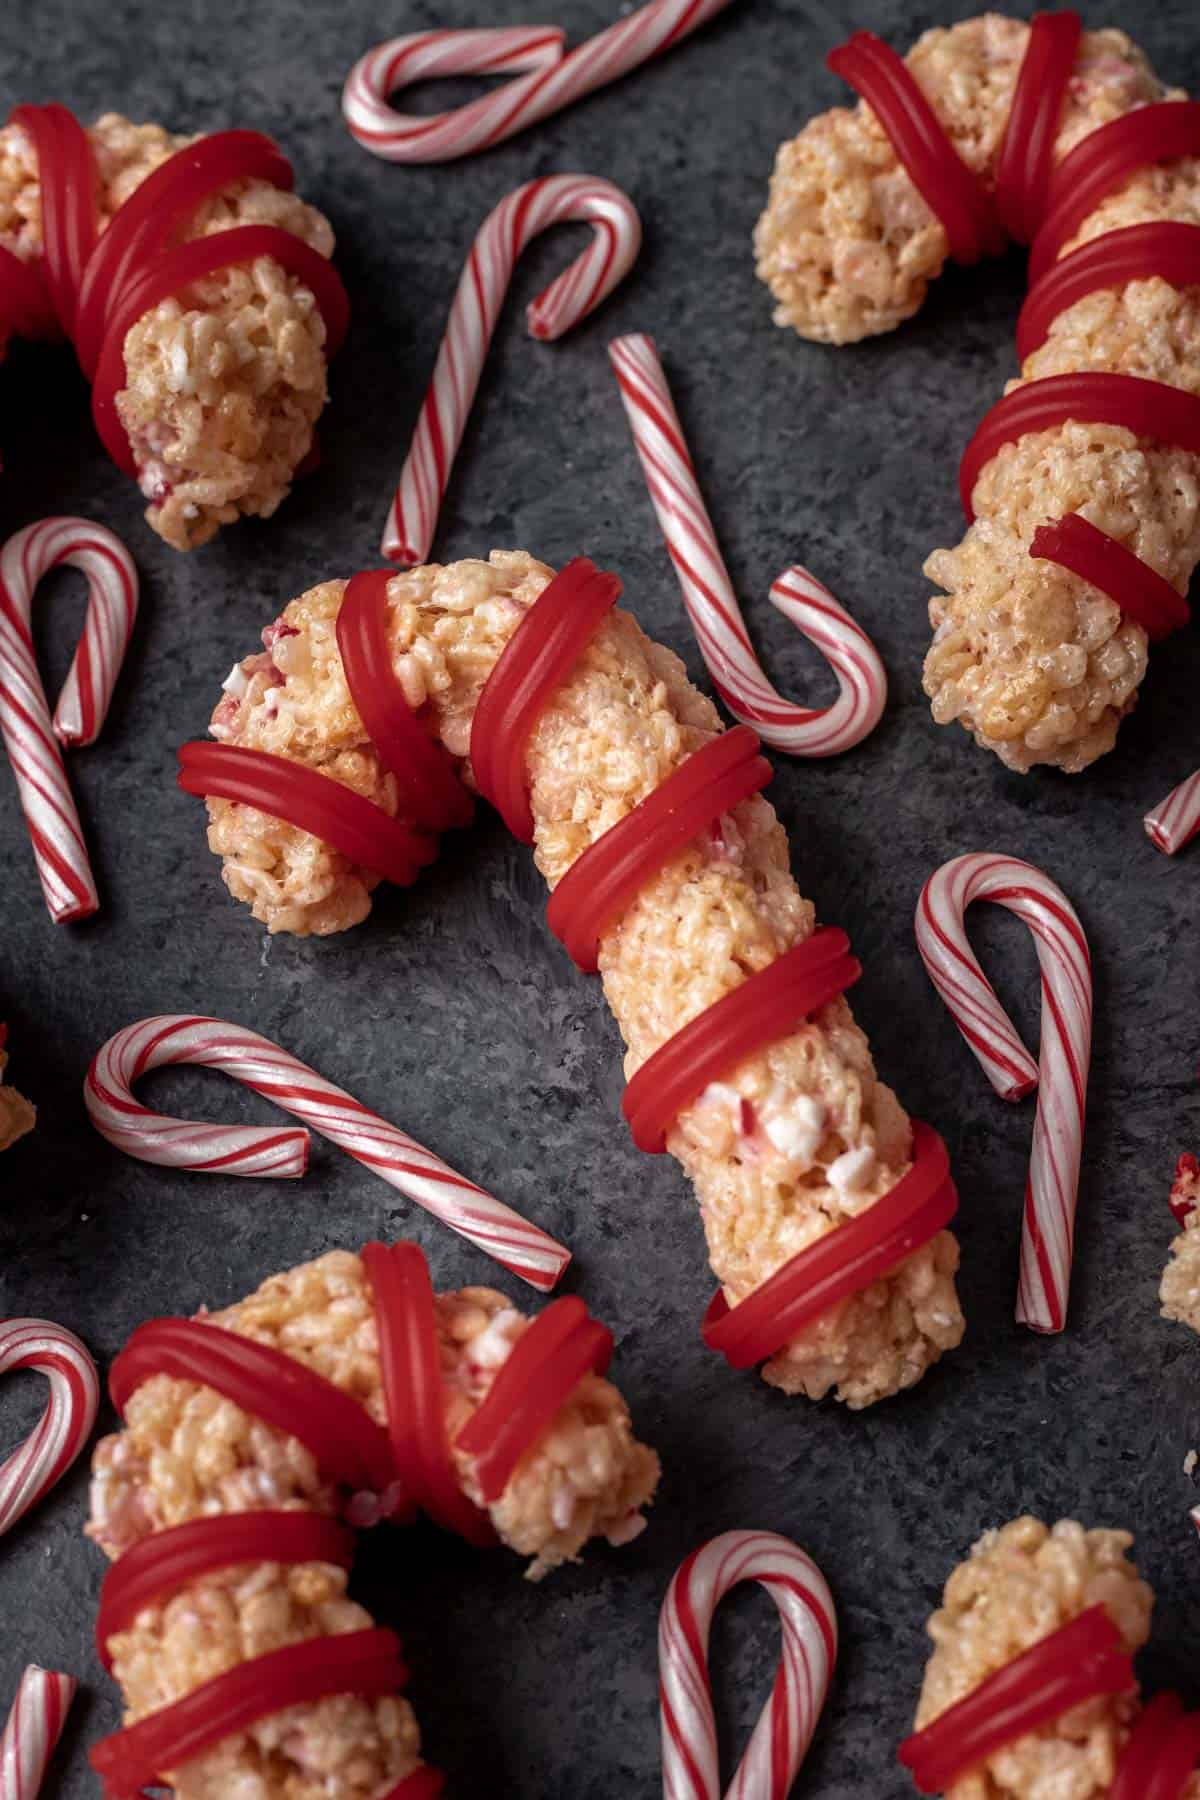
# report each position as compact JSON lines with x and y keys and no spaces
{"x":425,"y":1783}
{"x":1166,"y":248}
{"x":1026,"y":160}
{"x":1161,"y":1753}
{"x":1082,"y":1661}
{"x":1142,"y":594}
{"x":66,"y":178}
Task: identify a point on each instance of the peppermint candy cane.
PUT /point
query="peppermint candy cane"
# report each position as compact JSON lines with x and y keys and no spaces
{"x":528,"y":210}
{"x":48,"y":1452}
{"x":1176,"y":819}
{"x":709,"y":596}
{"x":259,"y":1150}
{"x":34,"y":1727}
{"x":691,"y":1769}
{"x":551,"y":78}
{"x":31,"y":737}
{"x":1061,"y":1073}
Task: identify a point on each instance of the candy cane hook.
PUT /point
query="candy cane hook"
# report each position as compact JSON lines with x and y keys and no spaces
{"x":31,"y":737}
{"x":1052,"y":1191}
{"x":396,"y":1158}
{"x":34,"y":1727}
{"x":551,"y":78}
{"x":710,"y":599}
{"x":48,"y":1452}
{"x":691,"y":1769}
{"x":528,"y":210}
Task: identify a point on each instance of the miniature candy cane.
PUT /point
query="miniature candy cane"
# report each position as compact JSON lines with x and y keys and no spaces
{"x":259,"y":1150}
{"x":34,"y":1727}
{"x":528,"y":210}
{"x":48,"y":1452}
{"x":555,"y":78}
{"x":709,"y":596}
{"x":810,"y":1637}
{"x":1176,"y":819}
{"x":29,"y":733}
{"x":1062,"y":1070}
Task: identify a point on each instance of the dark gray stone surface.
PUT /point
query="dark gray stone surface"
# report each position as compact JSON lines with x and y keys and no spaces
{"x":455,"y":1011}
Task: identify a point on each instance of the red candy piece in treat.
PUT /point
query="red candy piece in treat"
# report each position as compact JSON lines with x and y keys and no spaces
{"x":1026,"y":160}
{"x":1166,"y":248}
{"x":1185,"y":1184}
{"x":1161,"y":1753}
{"x":600,"y":884}
{"x":544,"y":1366}
{"x":841,"y":1263}
{"x":1082,"y":1661}
{"x":67,"y":180}
{"x":537,"y":659}
{"x":1142,"y":594}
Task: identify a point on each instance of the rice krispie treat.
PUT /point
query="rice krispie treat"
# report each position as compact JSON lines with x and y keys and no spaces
{"x":1035,"y":662}
{"x":1180,"y":1289}
{"x":799,"y":1139}
{"x":17,"y":1116}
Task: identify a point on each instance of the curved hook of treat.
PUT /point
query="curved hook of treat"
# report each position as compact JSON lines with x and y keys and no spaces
{"x":549,"y":78}
{"x":1062,"y":1070}
{"x":528,"y":210}
{"x":691,"y":1766}
{"x":34,"y":1727}
{"x":48,"y":1452}
{"x":31,"y":737}
{"x":710,"y":599}
{"x":1175,"y":820}
{"x":173,"y":1038}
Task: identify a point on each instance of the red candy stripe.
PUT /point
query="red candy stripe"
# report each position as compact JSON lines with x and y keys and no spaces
{"x":536,"y":660}
{"x":1161,"y":1753}
{"x":840,"y":1264}
{"x":885,"y":82}
{"x":1026,"y":161}
{"x":1168,"y":249}
{"x":767,"y":1006}
{"x":600,"y":884}
{"x":1142,"y":594}
{"x":545,"y":1365}
{"x":66,"y":177}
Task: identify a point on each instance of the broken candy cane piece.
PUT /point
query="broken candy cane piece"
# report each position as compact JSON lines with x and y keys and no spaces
{"x":34,"y":1727}
{"x":48,"y":1452}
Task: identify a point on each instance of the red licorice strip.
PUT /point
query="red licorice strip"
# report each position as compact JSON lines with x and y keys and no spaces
{"x":881,"y":78}
{"x":543,"y":1368}
{"x":1168,"y":249}
{"x":412,"y":1384}
{"x":1141,"y":593}
{"x":173,"y":271}
{"x":1026,"y":160}
{"x":1101,"y":162}
{"x":537,"y":659}
{"x":842,"y":1263}
{"x":1161,"y":1753}
{"x":1150,"y":409}
{"x":425,"y":1783}
{"x":430,"y":792}
{"x":163,"y":1564}
{"x":66,"y":180}
{"x":366,"y":1663}
{"x":766,"y":1007}
{"x":26,"y":309}
{"x":349,"y":1447}
{"x":1082,"y":1661}
{"x":600,"y":884}
{"x":311,"y":802}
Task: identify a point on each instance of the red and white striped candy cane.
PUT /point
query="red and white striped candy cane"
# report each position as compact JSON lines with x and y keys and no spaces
{"x":31,"y":737}
{"x":1061,"y":1073}
{"x":34,"y":1727}
{"x":48,"y":1452}
{"x":551,"y":78}
{"x":528,"y":210}
{"x":1176,"y":819}
{"x":691,"y":1769}
{"x":708,"y":594}
{"x":260,"y":1150}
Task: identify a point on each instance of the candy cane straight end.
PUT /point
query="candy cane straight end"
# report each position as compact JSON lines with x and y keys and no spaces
{"x":34,"y":1727}
{"x":1175,"y":820}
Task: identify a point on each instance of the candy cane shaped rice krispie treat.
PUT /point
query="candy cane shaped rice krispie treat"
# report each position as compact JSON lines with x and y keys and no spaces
{"x":799,"y":1138}
{"x":17,"y":1116}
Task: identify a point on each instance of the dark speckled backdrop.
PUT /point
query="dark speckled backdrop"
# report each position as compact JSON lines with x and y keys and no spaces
{"x":455,"y":1011}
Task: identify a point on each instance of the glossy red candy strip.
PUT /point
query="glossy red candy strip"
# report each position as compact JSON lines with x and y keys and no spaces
{"x":841,"y":1263}
{"x":25,"y":307}
{"x":1142,"y":594}
{"x":536,"y":660}
{"x":366,"y":1663}
{"x":164,"y":1563}
{"x":349,"y":1447}
{"x":425,"y":1783}
{"x":1026,"y":159}
{"x":544,"y":1366}
{"x":600,"y":884}
{"x":1166,"y":248}
{"x":766,"y":1007}
{"x":1082,"y":1661}
{"x":1161,"y":1753}
{"x":66,"y":180}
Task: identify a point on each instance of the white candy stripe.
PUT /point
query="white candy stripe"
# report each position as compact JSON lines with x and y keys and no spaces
{"x":259,"y":1150}
{"x":528,"y":210}
{"x":1176,"y":819}
{"x":549,"y":78}
{"x":34,"y":1467}
{"x":691,"y":1767}
{"x":31,"y":737}
{"x":1061,"y":1073}
{"x":708,"y":594}
{"x":34,"y":1727}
